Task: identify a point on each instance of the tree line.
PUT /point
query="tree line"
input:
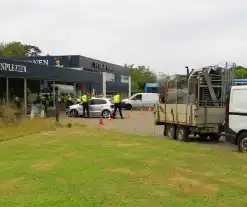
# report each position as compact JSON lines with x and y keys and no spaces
{"x":140,"y":75}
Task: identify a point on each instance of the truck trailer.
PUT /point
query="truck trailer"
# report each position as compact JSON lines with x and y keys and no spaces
{"x":194,"y":104}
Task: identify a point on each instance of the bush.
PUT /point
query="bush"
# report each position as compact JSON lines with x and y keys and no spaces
{"x":11,"y":127}
{"x":7,"y":114}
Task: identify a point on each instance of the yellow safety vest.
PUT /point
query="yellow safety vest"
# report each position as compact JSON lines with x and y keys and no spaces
{"x":116,"y":99}
{"x":78,"y":100}
{"x":93,"y":97}
{"x":101,"y":96}
{"x":84,"y":99}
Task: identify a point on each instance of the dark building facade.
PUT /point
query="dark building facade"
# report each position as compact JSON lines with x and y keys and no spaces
{"x":117,"y":77}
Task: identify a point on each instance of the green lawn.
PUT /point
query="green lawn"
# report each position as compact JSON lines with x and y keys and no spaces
{"x":86,"y":167}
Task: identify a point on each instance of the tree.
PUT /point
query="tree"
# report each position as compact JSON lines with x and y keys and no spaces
{"x":141,"y":75}
{"x":241,"y":72}
{"x":18,"y":49}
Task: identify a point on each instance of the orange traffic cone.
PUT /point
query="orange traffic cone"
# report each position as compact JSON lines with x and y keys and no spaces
{"x":101,"y":122}
{"x":141,"y":112}
{"x":109,"y":117}
{"x":128,"y":115}
{"x":149,"y":109}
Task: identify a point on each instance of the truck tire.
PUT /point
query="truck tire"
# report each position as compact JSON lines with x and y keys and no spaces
{"x":182,"y":134}
{"x":171,"y":131}
{"x":242,"y":142}
{"x":214,"y":137}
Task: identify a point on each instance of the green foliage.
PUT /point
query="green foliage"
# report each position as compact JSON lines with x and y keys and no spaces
{"x":18,"y":49}
{"x":141,"y":75}
{"x":241,"y":72}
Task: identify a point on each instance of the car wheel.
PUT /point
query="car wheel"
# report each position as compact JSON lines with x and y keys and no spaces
{"x":129,"y":107}
{"x":74,"y":113}
{"x":105,"y":113}
{"x":242,"y":142}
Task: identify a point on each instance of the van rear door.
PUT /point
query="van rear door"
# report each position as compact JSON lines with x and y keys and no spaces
{"x":236,"y":113}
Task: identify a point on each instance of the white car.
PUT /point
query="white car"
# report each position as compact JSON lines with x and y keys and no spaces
{"x":98,"y":107}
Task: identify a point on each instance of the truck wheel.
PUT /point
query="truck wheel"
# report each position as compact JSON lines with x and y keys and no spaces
{"x":214,"y":137}
{"x":171,"y":131}
{"x":182,"y":134}
{"x":242,"y":142}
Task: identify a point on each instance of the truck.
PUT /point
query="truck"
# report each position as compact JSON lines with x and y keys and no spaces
{"x":194,"y":103}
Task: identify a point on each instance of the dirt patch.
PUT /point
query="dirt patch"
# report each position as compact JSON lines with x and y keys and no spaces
{"x":9,"y":186}
{"x":49,"y":133}
{"x":44,"y":165}
{"x":72,"y":154}
{"x":122,"y":144}
{"x":150,"y":162}
{"x":192,"y":185}
{"x":127,"y":171}
{"x":11,"y":181}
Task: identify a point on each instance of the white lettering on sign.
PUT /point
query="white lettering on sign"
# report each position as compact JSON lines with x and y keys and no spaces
{"x":13,"y":67}
{"x":41,"y":62}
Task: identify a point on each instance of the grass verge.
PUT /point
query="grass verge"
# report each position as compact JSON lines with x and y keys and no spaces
{"x":83,"y":166}
{"x":25,"y":127}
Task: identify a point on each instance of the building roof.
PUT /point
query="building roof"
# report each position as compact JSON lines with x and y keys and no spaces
{"x":22,"y":69}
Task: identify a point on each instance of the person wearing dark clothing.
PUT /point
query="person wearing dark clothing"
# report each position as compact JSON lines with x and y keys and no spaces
{"x":84,"y":99}
{"x":69,"y":101}
{"x":45,"y":102}
{"x":17,"y":103}
{"x":117,"y":106}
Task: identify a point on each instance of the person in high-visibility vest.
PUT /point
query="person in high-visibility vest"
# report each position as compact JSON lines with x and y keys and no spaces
{"x":93,"y":96}
{"x":102,"y":95}
{"x":69,"y":101}
{"x":78,"y":100}
{"x":117,"y":105}
{"x":84,"y":99}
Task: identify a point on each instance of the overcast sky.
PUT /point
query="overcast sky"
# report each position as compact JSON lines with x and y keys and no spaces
{"x":166,"y":35}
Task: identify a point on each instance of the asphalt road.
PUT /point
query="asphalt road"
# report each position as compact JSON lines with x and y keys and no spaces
{"x":143,"y":124}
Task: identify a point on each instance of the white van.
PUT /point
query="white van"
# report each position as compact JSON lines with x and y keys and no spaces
{"x":235,"y":125}
{"x":141,"y":100}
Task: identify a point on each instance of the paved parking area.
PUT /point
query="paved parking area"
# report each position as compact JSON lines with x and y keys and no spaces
{"x":143,"y":124}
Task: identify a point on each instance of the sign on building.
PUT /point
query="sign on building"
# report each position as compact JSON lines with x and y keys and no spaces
{"x":13,"y":67}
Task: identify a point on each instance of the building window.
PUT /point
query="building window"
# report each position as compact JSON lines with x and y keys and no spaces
{"x":124,"y":79}
{"x":110,"y":77}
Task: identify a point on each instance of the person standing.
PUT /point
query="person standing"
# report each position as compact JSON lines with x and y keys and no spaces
{"x":84,"y":99}
{"x":78,"y":100}
{"x":117,"y":105}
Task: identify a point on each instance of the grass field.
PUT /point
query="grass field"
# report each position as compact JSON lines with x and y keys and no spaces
{"x":86,"y":167}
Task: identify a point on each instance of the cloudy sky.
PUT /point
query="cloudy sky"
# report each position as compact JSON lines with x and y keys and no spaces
{"x":166,"y":35}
